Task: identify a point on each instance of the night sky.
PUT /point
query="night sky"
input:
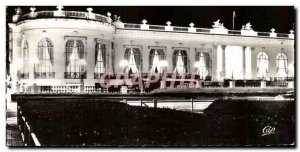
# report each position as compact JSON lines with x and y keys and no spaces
{"x":262,"y":18}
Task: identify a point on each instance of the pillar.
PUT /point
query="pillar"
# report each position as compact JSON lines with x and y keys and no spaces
{"x":248,"y":62}
{"x":263,"y":84}
{"x":199,"y":84}
{"x":223,"y":61}
{"x":231,"y":84}
{"x":81,"y":86}
{"x":35,"y":89}
{"x":291,"y":84}
{"x":162,"y":84}
{"x":124,"y":89}
{"x":244,"y":62}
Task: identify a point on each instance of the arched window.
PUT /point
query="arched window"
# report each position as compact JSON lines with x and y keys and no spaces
{"x":44,"y":66}
{"x":25,"y":58}
{"x":133,"y":56}
{"x":281,"y":64}
{"x":75,"y":60}
{"x":262,"y":65}
{"x":202,"y":64}
{"x":100,"y":60}
{"x":180,"y":62}
{"x":157,"y":61}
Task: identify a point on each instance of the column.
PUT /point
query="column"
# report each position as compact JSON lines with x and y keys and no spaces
{"x":218,"y":62}
{"x":244,"y":62}
{"x":248,"y":62}
{"x":109,"y":58}
{"x":191,"y":57}
{"x":90,"y":52}
{"x":223,"y":61}
{"x":145,"y":59}
{"x":169,"y":56}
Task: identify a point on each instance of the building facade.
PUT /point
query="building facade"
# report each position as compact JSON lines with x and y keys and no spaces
{"x":67,"y":47}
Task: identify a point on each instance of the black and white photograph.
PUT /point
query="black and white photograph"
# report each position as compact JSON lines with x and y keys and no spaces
{"x":150,"y":76}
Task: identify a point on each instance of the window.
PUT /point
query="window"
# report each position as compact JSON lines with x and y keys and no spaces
{"x":262,"y":65}
{"x":202,"y":64}
{"x":281,"y":64}
{"x":180,"y":62}
{"x":133,"y":56}
{"x":25,"y":57}
{"x":100,"y":60}
{"x":156,"y":61}
{"x":75,"y":60}
{"x":44,"y":66}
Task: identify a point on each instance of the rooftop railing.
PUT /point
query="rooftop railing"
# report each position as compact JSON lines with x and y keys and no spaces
{"x":65,"y":14}
{"x":144,"y":26}
{"x":204,"y":30}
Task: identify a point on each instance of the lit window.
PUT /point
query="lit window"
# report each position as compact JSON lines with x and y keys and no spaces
{"x":44,"y":66}
{"x":100,"y":59}
{"x":262,"y":65}
{"x":202,"y":64}
{"x":157,"y":56}
{"x":180,"y":62}
{"x":75,"y":60}
{"x":133,"y":56}
{"x":281,"y":64}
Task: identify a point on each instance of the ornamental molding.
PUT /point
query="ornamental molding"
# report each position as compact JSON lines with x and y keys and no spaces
{"x":157,"y":47}
{"x":205,"y":38}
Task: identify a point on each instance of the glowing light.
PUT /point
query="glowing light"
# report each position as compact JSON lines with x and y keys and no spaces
{"x":248,"y":63}
{"x":164,"y":63}
{"x":197,"y":64}
{"x":179,"y":65}
{"x":234,"y":62}
{"x":123,"y":63}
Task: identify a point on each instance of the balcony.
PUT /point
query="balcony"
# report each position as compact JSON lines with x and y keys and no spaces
{"x":65,"y":14}
{"x":98,"y":75}
{"x":75,"y":75}
{"x":44,"y":75}
{"x":24,"y":75}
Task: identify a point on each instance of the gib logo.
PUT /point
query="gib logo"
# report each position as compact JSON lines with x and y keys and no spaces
{"x":268,"y":130}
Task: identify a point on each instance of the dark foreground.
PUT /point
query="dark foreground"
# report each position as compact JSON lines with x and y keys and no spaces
{"x":105,"y":123}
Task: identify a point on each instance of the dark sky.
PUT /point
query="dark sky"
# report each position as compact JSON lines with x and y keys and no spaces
{"x":282,"y":18}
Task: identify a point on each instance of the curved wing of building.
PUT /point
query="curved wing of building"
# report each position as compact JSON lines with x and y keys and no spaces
{"x":53,"y":48}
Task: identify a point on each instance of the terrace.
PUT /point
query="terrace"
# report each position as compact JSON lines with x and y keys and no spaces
{"x":59,"y":13}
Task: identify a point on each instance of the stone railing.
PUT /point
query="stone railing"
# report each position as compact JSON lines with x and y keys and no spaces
{"x":65,"y":14}
{"x":224,"y":31}
{"x":24,"y":75}
{"x":44,"y":75}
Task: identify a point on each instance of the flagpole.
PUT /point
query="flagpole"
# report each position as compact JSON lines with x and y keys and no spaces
{"x":233,"y":16}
